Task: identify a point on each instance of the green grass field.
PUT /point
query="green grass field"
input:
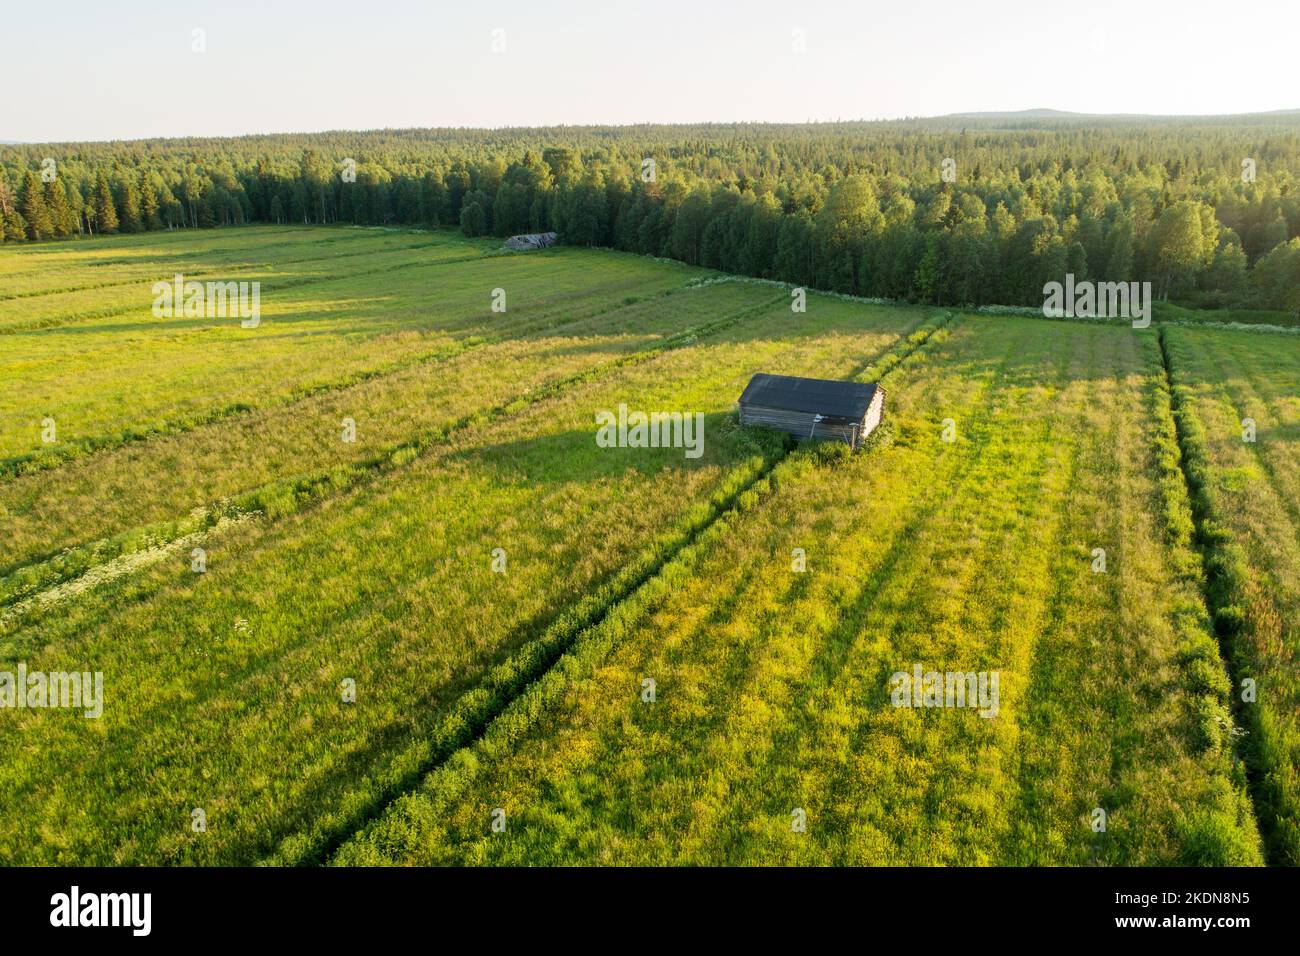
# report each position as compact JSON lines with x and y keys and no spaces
{"x":375,"y":564}
{"x":1241,"y":415}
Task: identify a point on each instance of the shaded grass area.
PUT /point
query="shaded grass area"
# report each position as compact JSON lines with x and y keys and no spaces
{"x":100,"y":265}
{"x":81,"y":311}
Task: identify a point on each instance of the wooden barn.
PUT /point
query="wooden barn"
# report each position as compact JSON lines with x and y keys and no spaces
{"x":813,"y":407}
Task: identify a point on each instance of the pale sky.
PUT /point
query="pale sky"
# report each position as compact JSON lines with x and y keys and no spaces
{"x":124,"y":69}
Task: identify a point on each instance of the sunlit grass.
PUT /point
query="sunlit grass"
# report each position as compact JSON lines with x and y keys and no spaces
{"x":1248,"y":494}
{"x":389,"y":584}
{"x":133,"y":485}
{"x":372,"y":561}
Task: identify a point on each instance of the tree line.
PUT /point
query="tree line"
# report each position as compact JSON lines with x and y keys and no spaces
{"x":964,"y":211}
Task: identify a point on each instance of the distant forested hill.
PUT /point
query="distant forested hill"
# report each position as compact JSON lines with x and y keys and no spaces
{"x":953,"y":210}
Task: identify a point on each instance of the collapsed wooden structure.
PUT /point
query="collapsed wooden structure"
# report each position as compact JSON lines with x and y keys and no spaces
{"x":532,"y":240}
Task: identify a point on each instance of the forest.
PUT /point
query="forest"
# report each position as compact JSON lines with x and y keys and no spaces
{"x":958,"y":211}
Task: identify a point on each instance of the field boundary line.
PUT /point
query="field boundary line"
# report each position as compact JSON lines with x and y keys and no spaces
{"x":996,"y":310}
{"x":1270,"y":777}
{"x":568,"y":653}
{"x":1259,"y":327}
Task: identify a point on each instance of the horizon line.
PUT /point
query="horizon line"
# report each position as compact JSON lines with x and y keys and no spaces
{"x":1029,"y":113}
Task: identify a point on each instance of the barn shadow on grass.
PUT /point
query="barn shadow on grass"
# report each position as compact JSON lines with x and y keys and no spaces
{"x":573,"y":456}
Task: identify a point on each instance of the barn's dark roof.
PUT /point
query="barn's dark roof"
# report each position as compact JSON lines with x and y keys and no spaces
{"x":817,"y":396}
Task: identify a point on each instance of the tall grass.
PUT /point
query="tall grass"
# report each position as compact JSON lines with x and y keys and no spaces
{"x":372,"y":562}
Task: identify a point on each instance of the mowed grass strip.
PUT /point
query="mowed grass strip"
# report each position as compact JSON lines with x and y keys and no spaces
{"x":223,"y":690}
{"x":124,"y":249}
{"x":112,"y":304}
{"x":121,"y":249}
{"x":1231,"y":386}
{"x":105,"y":262}
{"x":130,"y":489}
{"x":106,"y":385}
{"x":773,"y":686}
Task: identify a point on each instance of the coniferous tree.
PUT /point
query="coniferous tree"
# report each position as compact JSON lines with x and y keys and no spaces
{"x":15,"y":228}
{"x":149,"y":216}
{"x":105,"y":212}
{"x":31,"y":203}
{"x":56,"y":204}
{"x":74,"y":203}
{"x":12,"y":226}
{"x":129,"y":219}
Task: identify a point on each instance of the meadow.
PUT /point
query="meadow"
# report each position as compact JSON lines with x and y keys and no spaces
{"x":427,"y":603}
